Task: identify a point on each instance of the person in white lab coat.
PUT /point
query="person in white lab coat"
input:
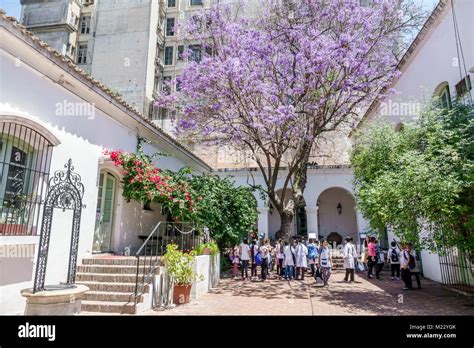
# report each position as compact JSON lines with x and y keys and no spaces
{"x":301,"y":252}
{"x":289,"y":260}
{"x":349,"y":255}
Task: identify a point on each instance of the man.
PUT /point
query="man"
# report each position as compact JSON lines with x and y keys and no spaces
{"x":405,"y":267}
{"x":301,"y":252}
{"x":393,"y":257}
{"x":349,"y":255}
{"x":245,"y":258}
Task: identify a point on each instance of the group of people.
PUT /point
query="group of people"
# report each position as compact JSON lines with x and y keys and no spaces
{"x":401,"y":259}
{"x":292,"y":259}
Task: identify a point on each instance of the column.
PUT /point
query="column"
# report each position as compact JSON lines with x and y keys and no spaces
{"x":263,"y":221}
{"x":312,"y":220}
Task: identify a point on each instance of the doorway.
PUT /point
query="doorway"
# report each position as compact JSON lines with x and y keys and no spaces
{"x":105,"y":213}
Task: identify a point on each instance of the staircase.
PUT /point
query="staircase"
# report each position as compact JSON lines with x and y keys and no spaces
{"x":111,"y":280}
{"x":337,"y":262}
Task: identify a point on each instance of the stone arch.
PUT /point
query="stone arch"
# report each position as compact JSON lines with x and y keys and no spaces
{"x":337,"y":216}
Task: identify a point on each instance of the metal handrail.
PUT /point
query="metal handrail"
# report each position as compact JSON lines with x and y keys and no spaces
{"x":153,"y":260}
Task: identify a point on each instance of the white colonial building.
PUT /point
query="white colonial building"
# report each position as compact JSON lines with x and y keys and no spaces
{"x":50,"y":112}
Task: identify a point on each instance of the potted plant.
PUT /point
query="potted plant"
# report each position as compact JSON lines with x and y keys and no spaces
{"x":210,"y":248}
{"x":180,"y":267}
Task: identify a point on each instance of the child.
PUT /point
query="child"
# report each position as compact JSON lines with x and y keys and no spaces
{"x":235,"y":261}
{"x":393,"y":257}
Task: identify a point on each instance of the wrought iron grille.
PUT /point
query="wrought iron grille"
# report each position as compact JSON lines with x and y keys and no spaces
{"x":25,"y":159}
{"x":457,"y":269}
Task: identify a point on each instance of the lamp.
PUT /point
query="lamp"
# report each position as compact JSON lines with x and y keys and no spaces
{"x":270,"y":208}
{"x":339,"y":209}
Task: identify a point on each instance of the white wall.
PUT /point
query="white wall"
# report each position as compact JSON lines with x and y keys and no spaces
{"x":83,"y":138}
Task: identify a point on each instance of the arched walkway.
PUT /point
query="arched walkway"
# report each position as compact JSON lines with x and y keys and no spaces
{"x":336,"y":213}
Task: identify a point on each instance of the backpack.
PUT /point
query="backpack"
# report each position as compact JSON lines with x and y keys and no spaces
{"x":394,"y":255}
{"x":258,"y":259}
{"x":311,"y":251}
{"x":412,"y":262}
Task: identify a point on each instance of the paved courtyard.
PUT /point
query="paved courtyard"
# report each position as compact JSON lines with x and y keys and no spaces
{"x":279,"y":297}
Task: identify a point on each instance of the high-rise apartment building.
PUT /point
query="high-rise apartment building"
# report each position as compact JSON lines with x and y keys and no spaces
{"x":119,"y":42}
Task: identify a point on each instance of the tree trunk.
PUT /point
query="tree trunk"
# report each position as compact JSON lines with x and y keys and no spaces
{"x":286,"y":224}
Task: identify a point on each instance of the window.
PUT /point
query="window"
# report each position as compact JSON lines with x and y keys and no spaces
{"x":463,"y":86}
{"x":166,"y":86}
{"x":196,"y":54}
{"x":196,"y":2}
{"x":443,"y":94}
{"x":85,"y":24}
{"x":82,"y":54}
{"x":180,"y":52}
{"x":168,"y":55}
{"x":170,"y":26}
{"x":25,"y":157}
{"x":171,"y":3}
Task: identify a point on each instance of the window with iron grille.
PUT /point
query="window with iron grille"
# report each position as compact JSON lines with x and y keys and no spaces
{"x":168,"y":55}
{"x":25,"y":158}
{"x":171,"y":3}
{"x":196,"y":2}
{"x":170,"y":22}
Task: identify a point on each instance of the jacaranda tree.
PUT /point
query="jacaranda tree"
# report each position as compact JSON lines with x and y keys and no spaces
{"x":274,"y":82}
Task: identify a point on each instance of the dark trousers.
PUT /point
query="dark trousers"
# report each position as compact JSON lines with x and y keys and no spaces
{"x":349,"y":272}
{"x":254,"y":269}
{"x":300,"y":271}
{"x":280,"y":267}
{"x":245,"y":267}
{"x":417,"y":276}
{"x":395,"y":269}
{"x":406,"y":277}
{"x":370,"y":267}
{"x":264,"y":268}
{"x":313,"y":269}
{"x":378,"y":270}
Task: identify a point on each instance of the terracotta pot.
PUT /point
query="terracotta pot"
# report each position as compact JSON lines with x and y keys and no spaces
{"x":206,"y":251}
{"x":181,"y":294}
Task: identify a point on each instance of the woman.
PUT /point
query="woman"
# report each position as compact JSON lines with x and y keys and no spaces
{"x":279,"y":258}
{"x":265,"y":252}
{"x":325,"y":262}
{"x":301,"y":252}
{"x":364,"y":254}
{"x":371,"y":257}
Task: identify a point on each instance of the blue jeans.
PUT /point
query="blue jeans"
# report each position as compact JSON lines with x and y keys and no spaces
{"x":289,"y":271}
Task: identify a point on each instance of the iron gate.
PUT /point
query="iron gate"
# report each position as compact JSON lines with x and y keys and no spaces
{"x":457,"y":269}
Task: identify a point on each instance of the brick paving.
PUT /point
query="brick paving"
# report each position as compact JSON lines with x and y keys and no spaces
{"x":364,"y":297}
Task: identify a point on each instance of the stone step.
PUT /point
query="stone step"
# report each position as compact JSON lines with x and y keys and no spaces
{"x":111,"y":286}
{"x":110,"y":296}
{"x":106,"y":277}
{"x":112,"y":269}
{"x":118,"y":261}
{"x":108,"y":307}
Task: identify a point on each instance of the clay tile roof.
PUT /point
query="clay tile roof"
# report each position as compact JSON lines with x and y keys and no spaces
{"x":45,"y":47}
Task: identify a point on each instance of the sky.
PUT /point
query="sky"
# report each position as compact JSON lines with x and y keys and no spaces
{"x":13,"y":7}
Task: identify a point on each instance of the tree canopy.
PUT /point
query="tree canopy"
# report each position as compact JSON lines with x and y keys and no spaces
{"x":420,"y":180}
